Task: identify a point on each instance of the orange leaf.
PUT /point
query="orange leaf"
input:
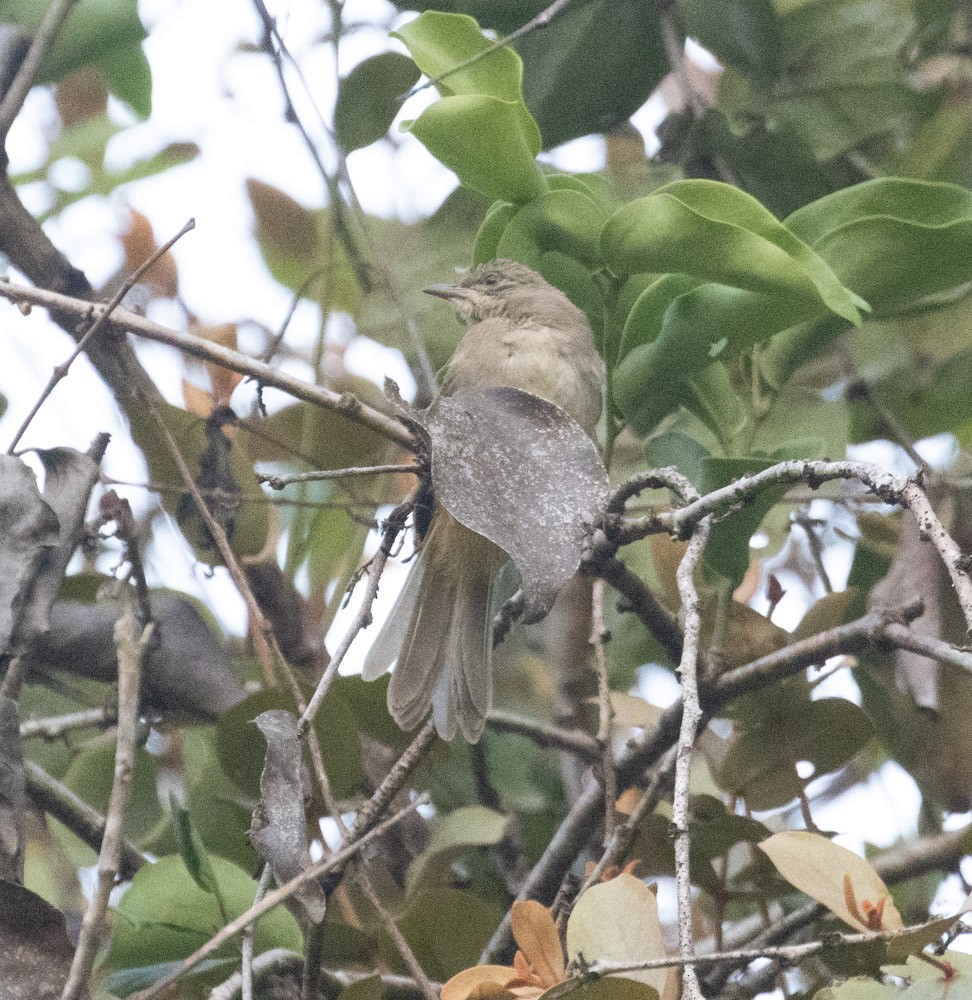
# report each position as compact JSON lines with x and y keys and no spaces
{"x":536,"y":936}
{"x":481,"y":981}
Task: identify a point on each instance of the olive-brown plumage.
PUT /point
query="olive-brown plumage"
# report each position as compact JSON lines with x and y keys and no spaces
{"x":525,"y":333}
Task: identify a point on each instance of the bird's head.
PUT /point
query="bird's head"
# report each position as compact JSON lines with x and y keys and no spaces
{"x":491,"y":290}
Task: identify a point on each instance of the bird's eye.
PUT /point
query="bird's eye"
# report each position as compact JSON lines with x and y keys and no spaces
{"x":490,"y":279}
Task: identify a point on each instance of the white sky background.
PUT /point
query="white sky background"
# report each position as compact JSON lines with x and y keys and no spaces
{"x":229,"y":103}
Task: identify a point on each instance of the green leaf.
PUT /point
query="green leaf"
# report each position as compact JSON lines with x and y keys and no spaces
{"x":646,"y":317}
{"x":251,"y":522}
{"x":164,"y":916}
{"x":591,"y":68}
{"x":491,"y":231}
{"x":894,"y":241}
{"x":447,"y":930}
{"x":220,"y":812}
{"x":129,"y":77}
{"x":648,"y":381}
{"x":761,"y":764}
{"x":106,"y":32}
{"x":368,"y":98}
{"x":727,"y":552}
{"x":241,"y":751}
{"x":125,"y":982}
{"x":191,"y":848}
{"x":483,"y":140}
{"x":91,"y":776}
{"x":716,"y":232}
{"x":300,"y":248}
{"x":481,"y":128}
{"x":741,"y":33}
{"x":472,"y":826}
{"x":561,"y":221}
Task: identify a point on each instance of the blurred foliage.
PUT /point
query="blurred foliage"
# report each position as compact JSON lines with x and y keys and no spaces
{"x":788,"y":277}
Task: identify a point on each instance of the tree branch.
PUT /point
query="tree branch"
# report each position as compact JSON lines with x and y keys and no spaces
{"x":344,"y":403}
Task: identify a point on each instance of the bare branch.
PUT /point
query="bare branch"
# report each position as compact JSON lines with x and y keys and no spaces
{"x":691,"y":717}
{"x":890,"y":488}
{"x":279,"y":482}
{"x":544,"y":734}
{"x":59,"y":801}
{"x":55,"y":727}
{"x":131,"y":650}
{"x":60,"y":371}
{"x":599,"y":636}
{"x":121,"y":320}
{"x":640,"y":601}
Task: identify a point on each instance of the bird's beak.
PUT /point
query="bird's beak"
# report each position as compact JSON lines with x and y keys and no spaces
{"x":446,"y":291}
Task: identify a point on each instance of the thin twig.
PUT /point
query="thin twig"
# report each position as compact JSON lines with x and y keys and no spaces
{"x":892,"y":489}
{"x":545,"y":734}
{"x":279,"y":482}
{"x":392,"y":528}
{"x":60,"y":371}
{"x":276,"y":49}
{"x":691,"y":716}
{"x":624,"y":832}
{"x":599,"y":637}
{"x":394,"y":781}
{"x":404,"y":949}
{"x":55,"y":727}
{"x":345,"y":403}
{"x":640,"y":601}
{"x":327,"y":865}
{"x":789,"y":953}
{"x":82,"y":820}
{"x":246,"y":943}
{"x":130,"y":650}
{"x":13,"y":99}
{"x":541,"y":20}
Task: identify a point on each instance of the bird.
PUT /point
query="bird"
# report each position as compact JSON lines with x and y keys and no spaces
{"x":521,"y":332}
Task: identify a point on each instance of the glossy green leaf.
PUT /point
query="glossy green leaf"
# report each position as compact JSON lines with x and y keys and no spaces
{"x":646,"y":317}
{"x":483,"y":140}
{"x":894,"y":241}
{"x":481,"y":128}
{"x":440,"y":42}
{"x":711,"y":320}
{"x":491,"y":231}
{"x":369,"y":98}
{"x":716,"y":232}
{"x":562,"y":221}
{"x":591,"y":68}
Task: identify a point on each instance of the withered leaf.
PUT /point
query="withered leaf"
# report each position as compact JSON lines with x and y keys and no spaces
{"x":518,"y":470}
{"x":279,"y":828}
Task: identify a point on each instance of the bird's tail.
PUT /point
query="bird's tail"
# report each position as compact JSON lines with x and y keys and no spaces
{"x":440,"y":631}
